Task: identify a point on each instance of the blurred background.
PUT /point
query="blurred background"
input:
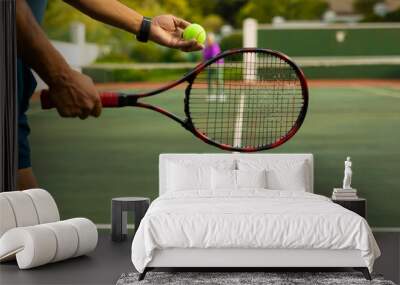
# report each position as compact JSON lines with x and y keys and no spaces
{"x":348,"y":49}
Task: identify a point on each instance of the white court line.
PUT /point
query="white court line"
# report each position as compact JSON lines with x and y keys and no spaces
{"x":378,"y":92}
{"x":237,"y":136}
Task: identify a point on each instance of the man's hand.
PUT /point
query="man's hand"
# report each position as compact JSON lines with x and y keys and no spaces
{"x":167,"y":30}
{"x":75,"y":95}
{"x":72,"y":92}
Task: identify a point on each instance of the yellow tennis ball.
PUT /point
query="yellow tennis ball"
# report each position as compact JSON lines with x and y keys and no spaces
{"x":195,"y":32}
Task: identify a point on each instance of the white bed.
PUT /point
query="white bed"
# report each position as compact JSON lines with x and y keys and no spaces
{"x":248,"y":227}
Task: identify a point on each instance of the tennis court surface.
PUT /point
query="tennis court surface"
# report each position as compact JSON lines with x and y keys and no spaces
{"x":88,"y":162}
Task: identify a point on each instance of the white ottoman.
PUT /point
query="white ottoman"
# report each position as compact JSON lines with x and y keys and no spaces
{"x":31,"y":233}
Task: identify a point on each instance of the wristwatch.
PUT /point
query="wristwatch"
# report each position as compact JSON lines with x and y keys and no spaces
{"x":144,"y":31}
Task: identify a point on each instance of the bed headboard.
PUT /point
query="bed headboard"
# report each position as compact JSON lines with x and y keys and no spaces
{"x":210,"y":157}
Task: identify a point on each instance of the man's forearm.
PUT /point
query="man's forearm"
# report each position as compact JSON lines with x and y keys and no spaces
{"x":111,"y":12}
{"x":35,"y":49}
{"x":164,"y":30}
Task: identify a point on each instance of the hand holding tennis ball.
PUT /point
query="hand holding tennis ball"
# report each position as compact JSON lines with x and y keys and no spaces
{"x":195,"y":32}
{"x":166,"y":30}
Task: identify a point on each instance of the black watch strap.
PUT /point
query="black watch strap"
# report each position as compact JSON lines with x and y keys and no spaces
{"x":144,"y":32}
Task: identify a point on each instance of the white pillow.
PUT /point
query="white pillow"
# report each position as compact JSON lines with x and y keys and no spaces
{"x":291,"y":179}
{"x":251,"y":178}
{"x":184,"y":177}
{"x":223,"y":179}
{"x":193,"y":174}
{"x":227,"y":179}
{"x":281,"y":174}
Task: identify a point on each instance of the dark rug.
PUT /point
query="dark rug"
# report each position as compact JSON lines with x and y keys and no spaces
{"x":244,"y":278}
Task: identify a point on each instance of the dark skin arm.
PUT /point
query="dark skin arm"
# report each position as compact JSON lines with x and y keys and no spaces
{"x":165,"y":30}
{"x":73,"y":93}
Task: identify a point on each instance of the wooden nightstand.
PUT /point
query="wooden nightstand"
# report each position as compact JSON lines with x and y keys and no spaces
{"x":358,"y":206}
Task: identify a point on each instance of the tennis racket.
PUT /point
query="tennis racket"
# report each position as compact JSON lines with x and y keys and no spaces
{"x":244,"y":100}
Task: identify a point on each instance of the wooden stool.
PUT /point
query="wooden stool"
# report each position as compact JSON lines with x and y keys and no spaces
{"x":119,"y":215}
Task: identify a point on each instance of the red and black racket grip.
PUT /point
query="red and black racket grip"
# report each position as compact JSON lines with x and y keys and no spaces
{"x":108,"y":100}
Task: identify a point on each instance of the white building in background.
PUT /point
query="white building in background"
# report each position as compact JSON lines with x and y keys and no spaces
{"x":78,"y":52}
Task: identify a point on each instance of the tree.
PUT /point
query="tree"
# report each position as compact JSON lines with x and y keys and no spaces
{"x":264,"y":11}
{"x":212,"y":23}
{"x":59,"y":17}
{"x":225,"y":9}
{"x":366,"y":8}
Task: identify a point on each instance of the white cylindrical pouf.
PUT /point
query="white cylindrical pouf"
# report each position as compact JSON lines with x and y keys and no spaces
{"x":45,"y":205}
{"x":34,"y":246}
{"x":23,"y":208}
{"x":67,"y":240}
{"x":87,"y":234}
{"x":7,"y":218}
{"x":31,"y":232}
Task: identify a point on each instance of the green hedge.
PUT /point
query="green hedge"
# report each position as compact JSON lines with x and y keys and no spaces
{"x":232,"y":41}
{"x":318,"y":72}
{"x":133,"y":75}
{"x":149,"y":52}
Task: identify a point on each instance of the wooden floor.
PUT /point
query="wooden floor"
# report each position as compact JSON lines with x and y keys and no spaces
{"x":110,"y":260}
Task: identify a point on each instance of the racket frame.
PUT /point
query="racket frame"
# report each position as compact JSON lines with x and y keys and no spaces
{"x":126,"y":100}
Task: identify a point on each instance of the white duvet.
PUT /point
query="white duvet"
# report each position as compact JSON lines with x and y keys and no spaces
{"x":250,"y":219}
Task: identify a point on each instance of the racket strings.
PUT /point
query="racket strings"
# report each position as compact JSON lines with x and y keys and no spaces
{"x":246,"y":100}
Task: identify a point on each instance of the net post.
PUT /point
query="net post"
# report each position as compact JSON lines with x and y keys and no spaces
{"x":250,"y":41}
{"x":250,"y":27}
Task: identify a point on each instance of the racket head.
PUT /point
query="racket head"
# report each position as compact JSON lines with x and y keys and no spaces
{"x":246,"y":100}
